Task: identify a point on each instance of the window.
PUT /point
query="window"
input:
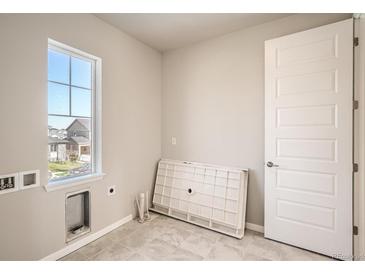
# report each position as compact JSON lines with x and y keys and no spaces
{"x":53,"y":148}
{"x":73,"y":113}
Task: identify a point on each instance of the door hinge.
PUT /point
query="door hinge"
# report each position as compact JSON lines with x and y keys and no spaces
{"x":356,"y":167}
{"x":355,"y":104}
{"x":355,"y":230}
{"x":356,"y":41}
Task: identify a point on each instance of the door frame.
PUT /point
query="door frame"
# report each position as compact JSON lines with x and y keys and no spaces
{"x":359,"y":137}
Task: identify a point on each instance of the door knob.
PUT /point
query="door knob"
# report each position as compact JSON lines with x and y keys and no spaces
{"x":271,"y":164}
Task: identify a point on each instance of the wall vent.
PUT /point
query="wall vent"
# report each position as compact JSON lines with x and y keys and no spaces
{"x":77,"y":214}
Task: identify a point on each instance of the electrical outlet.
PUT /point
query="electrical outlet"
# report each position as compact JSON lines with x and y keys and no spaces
{"x":9,"y":183}
{"x":173,"y":140}
{"x":111,"y":190}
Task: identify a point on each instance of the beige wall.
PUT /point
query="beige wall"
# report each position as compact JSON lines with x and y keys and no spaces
{"x":213,"y":100}
{"x":32,"y":221}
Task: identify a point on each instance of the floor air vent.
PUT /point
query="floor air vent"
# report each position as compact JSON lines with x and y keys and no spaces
{"x":77,"y":214}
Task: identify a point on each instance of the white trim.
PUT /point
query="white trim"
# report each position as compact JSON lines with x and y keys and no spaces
{"x":58,"y":46}
{"x":75,"y":181}
{"x":84,"y":241}
{"x":97,"y":138}
{"x":255,"y":227}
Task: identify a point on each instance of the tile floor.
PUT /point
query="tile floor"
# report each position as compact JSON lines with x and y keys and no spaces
{"x":164,"y":238}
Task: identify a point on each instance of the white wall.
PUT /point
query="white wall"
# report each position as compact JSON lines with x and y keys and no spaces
{"x":32,"y":222}
{"x":213,"y":100}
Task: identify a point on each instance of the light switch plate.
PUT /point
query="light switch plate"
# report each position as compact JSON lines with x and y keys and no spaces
{"x":173,"y":140}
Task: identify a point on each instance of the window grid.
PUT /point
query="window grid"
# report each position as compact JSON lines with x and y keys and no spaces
{"x":70,"y":86}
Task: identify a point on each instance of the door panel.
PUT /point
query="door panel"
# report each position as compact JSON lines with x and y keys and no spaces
{"x":319,"y":82}
{"x":304,"y":181}
{"x":308,"y":134}
{"x":307,"y":116}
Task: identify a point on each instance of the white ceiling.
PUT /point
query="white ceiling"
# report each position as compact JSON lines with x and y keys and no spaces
{"x":170,"y":31}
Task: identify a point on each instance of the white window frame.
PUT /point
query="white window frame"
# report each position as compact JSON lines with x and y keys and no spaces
{"x":96,"y":125}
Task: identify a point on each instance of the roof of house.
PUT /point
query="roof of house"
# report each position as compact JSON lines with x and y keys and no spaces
{"x":80,"y":140}
{"x":83,"y":121}
{"x":54,"y":140}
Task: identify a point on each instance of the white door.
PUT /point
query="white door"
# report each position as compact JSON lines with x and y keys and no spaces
{"x":308,"y":139}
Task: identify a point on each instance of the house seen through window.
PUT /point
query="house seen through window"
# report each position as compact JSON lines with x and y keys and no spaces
{"x":70,"y":114}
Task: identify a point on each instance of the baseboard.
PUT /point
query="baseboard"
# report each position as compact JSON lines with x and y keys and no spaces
{"x":255,"y":227}
{"x":84,"y":241}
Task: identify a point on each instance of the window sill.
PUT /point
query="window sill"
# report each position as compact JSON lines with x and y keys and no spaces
{"x":67,"y":183}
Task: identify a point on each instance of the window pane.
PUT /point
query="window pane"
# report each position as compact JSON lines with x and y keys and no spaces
{"x":58,"y":99}
{"x":81,"y":102}
{"x":80,"y":73}
{"x":58,"y":67}
{"x":59,"y":122}
{"x":69,"y":147}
